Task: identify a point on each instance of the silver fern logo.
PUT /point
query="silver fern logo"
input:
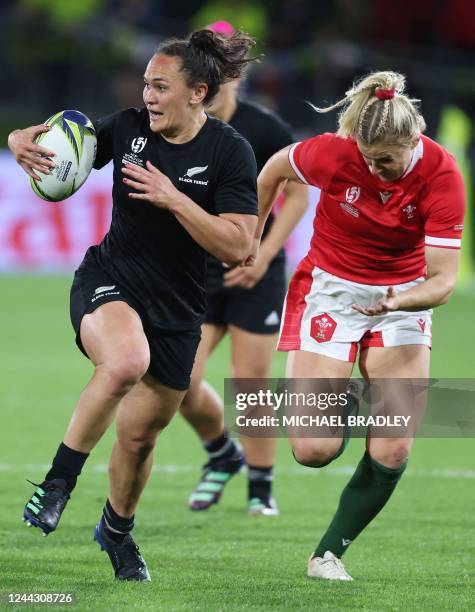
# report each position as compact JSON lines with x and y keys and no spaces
{"x":191,"y":172}
{"x":196,"y":170}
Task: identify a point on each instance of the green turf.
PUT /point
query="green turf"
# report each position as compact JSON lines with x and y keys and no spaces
{"x":417,"y":555}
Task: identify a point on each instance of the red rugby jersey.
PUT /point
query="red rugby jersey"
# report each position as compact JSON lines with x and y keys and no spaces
{"x":371,"y":231}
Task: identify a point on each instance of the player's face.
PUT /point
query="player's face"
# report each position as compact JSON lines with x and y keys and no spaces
{"x":387,"y":162}
{"x":166,"y":95}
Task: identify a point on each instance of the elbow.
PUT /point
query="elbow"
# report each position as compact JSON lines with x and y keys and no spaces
{"x":446,"y":294}
{"x":235,"y":255}
{"x":444,"y":299}
{"x":238,"y":243}
{"x":238,"y":252}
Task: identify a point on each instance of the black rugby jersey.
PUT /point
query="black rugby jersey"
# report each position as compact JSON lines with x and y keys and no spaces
{"x":267,"y":134}
{"x":146,"y":250}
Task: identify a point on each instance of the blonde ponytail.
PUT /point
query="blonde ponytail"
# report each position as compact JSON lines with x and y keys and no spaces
{"x":375,"y":110}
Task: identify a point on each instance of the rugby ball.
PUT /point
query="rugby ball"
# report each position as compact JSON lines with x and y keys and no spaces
{"x":73,"y":138}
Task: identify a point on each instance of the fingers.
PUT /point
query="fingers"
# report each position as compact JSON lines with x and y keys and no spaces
{"x":135,"y":185}
{"x":233,"y":273}
{"x":250,"y":261}
{"x":369,"y":311}
{"x":359,"y":308}
{"x":30,"y":172}
{"x":240,"y":279}
{"x":35,"y":163}
{"x":152,"y":168}
{"x":39,"y":129}
{"x":42,"y":152}
{"x":139,"y":196}
{"x":135,"y":172}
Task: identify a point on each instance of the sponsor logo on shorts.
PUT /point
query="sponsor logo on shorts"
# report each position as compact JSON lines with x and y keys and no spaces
{"x":272,"y":318}
{"x":322,"y":327}
{"x":345,"y":542}
{"x":352,"y":194}
{"x":422,"y":324}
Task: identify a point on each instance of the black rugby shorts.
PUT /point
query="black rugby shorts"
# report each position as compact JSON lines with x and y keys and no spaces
{"x":172,"y":353}
{"x":257,"y":310}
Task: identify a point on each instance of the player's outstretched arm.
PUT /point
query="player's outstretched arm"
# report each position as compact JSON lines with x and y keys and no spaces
{"x":30,"y":156}
{"x":442,"y":266}
{"x":270,"y":182}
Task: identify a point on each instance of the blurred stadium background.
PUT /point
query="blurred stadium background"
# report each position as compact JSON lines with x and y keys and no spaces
{"x":90,"y":55}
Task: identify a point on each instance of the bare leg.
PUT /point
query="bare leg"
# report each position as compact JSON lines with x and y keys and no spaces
{"x":142,"y":415}
{"x":114,"y":339}
{"x":410,"y":362}
{"x":202,"y":407}
{"x":251,"y":358}
{"x":314,"y":452}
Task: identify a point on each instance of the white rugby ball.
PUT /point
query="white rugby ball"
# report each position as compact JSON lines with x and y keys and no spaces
{"x":73,"y":138}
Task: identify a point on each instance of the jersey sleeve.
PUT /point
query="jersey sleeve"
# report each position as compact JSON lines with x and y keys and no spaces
{"x":105,"y":128}
{"x":236,"y":182}
{"x":314,"y":160}
{"x":444,"y":211}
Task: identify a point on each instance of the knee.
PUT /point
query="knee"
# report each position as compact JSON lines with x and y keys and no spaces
{"x":392,"y":454}
{"x":191,"y":400}
{"x":125,"y":371}
{"x":139,"y":444}
{"x":313,"y":454}
{"x":254,"y":370}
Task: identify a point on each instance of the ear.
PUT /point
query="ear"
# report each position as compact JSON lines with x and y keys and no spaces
{"x":415,"y":141}
{"x":198,"y":94}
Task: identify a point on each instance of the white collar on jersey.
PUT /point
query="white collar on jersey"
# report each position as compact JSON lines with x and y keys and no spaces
{"x":417,"y":154}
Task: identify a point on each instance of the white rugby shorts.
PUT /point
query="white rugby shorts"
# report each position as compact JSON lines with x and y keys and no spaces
{"x":318,"y":316}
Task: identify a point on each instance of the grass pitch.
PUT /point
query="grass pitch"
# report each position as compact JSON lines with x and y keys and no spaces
{"x":419,"y":554}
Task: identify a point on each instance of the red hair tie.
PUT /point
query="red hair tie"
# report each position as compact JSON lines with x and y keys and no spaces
{"x":384,"y":94}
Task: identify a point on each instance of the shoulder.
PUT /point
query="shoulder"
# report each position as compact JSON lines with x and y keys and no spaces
{"x":439,"y":172}
{"x":123,"y":118}
{"x":265,"y":116}
{"x":265,"y":130}
{"x":436,"y":159}
{"x":225,"y":137}
{"x":325,"y":147}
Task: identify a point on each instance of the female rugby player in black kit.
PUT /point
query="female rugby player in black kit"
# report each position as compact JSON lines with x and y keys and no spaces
{"x":184,"y":185}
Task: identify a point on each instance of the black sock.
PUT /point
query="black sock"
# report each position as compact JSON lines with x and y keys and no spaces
{"x":260,"y":482}
{"x":222,"y":448}
{"x":116,"y":526}
{"x":67,"y":464}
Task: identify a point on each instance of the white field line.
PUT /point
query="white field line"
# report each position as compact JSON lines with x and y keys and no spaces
{"x":345,"y":470}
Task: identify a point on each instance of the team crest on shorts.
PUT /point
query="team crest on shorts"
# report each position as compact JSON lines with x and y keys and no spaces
{"x":322,"y":327}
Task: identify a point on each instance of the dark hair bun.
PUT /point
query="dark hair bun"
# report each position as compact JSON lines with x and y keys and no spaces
{"x":204,"y":40}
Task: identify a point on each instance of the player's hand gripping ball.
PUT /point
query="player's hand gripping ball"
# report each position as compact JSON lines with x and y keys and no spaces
{"x":73,"y":139}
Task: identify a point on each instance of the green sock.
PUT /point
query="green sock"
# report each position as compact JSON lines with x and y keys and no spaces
{"x":363,"y":497}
